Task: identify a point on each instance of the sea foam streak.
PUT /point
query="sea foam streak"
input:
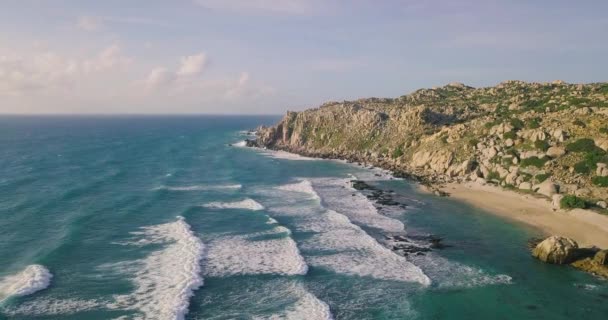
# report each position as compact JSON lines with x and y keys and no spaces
{"x":33,"y":278}
{"x":165,"y":280}
{"x":307,"y":306}
{"x":201,"y":187}
{"x":337,"y":194}
{"x":248,"y":204}
{"x":345,"y":247}
{"x":270,"y":252}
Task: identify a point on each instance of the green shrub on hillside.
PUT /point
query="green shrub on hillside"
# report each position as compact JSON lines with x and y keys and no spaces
{"x":509,"y":135}
{"x":534,"y":161}
{"x":398,"y":152}
{"x":571,"y":202}
{"x":541,"y":145}
{"x":493,"y":175}
{"x":604,"y":130}
{"x":542,"y":177}
{"x":582,"y":145}
{"x":517,"y":123}
{"x":582,"y":167}
{"x":600,"y":181}
{"x":533,"y":123}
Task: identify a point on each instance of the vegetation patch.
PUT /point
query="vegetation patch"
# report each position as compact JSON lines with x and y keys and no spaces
{"x":509,"y":135}
{"x":541,"y":145}
{"x":398,"y":152}
{"x":542,"y":177}
{"x":533,"y":123}
{"x":582,"y":145}
{"x":572,"y":202}
{"x":534,"y":161}
{"x":600,"y":181}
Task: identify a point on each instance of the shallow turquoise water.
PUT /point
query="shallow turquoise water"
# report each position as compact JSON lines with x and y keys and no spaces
{"x":95,"y":201}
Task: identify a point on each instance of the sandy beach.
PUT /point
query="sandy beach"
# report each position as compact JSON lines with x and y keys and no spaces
{"x":586,"y":227}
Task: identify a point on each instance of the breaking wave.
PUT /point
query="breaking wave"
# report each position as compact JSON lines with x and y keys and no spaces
{"x":248,"y":204}
{"x":33,"y":278}
{"x":166,"y":279}
{"x":269,"y":252}
{"x":201,"y":187}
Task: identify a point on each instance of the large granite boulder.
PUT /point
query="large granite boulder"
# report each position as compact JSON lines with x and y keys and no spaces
{"x":556,"y":250}
{"x":547,"y":188}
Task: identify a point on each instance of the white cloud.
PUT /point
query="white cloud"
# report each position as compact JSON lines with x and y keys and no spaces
{"x":294,"y":7}
{"x":107,"y":81}
{"x":23,"y":75}
{"x":192,"y":65}
{"x":159,"y":76}
{"x":89,"y":23}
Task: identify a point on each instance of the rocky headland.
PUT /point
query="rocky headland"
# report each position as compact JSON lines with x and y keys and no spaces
{"x":542,"y":140}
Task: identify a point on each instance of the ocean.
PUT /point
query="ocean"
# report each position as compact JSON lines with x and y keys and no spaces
{"x":161,"y":218}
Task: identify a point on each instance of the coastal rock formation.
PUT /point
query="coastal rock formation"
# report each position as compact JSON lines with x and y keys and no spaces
{"x":517,"y":135}
{"x":598,"y":265}
{"x":556,"y":250}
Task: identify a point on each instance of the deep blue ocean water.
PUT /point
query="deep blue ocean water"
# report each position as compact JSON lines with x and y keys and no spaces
{"x":159,"y":218}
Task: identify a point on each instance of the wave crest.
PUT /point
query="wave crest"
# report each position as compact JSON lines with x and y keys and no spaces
{"x":33,"y":278}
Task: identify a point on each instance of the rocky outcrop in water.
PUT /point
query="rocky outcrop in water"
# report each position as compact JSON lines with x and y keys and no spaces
{"x":562,"y":250}
{"x":556,"y":250}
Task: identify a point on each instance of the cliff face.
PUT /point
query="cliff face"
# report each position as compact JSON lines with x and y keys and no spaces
{"x":530,"y":136}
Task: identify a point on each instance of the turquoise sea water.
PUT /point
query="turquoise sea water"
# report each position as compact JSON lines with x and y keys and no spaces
{"x":158,"y":218}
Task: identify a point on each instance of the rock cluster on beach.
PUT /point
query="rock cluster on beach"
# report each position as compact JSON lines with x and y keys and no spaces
{"x":562,"y":250}
{"x":544,"y":138}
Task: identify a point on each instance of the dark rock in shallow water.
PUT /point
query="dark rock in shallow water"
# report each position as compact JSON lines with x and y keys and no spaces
{"x":251,"y":143}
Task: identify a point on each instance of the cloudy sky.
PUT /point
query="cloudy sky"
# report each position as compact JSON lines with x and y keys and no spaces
{"x":268,"y":56}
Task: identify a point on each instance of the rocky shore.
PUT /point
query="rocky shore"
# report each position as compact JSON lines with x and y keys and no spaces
{"x":548,"y":140}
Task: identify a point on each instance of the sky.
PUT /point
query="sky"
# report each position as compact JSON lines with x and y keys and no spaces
{"x":269,"y":56}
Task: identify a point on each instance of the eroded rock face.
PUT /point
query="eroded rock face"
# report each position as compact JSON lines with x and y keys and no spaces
{"x":556,"y":250}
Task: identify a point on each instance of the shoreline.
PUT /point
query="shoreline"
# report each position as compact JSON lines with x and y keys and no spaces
{"x":587,"y":228}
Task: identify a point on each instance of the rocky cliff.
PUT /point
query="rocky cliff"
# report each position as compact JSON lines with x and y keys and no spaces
{"x":548,"y":138}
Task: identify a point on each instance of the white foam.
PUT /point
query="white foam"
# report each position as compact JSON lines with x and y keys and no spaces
{"x":247,"y":133}
{"x":286,"y":155}
{"x":240,"y":144}
{"x":33,"y":278}
{"x":344,"y":246}
{"x":271,"y":252}
{"x":53,"y":307}
{"x":248,"y":204}
{"x":201,"y":187}
{"x":304,"y":186}
{"x":337,"y":194}
{"x":307,"y":306}
{"x":165,"y":280}
{"x":451,"y":274}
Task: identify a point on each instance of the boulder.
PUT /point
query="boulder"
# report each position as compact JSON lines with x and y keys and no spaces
{"x":547,"y":188}
{"x":525,"y":186}
{"x":602,"y":170}
{"x":555,"y":152}
{"x":509,"y":142}
{"x":556,"y":201}
{"x":559,"y":135}
{"x":602,"y":143}
{"x":602,"y":204}
{"x":556,"y":250}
